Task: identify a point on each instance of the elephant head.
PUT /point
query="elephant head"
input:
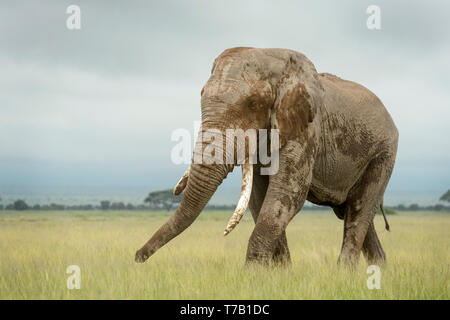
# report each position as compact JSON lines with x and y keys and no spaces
{"x":248,"y":88}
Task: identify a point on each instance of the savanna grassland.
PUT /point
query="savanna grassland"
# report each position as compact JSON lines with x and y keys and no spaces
{"x":37,"y":247}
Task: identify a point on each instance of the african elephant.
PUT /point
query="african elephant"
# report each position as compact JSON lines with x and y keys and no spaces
{"x":337,"y":147}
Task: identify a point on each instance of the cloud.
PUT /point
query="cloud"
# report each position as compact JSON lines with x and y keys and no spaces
{"x":110,"y":94}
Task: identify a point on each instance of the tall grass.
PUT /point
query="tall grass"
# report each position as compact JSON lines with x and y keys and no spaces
{"x":37,"y":247}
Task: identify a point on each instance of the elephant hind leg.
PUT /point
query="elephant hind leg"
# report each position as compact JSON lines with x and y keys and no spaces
{"x":260,"y":183}
{"x":372,"y":249}
{"x":362,"y":202}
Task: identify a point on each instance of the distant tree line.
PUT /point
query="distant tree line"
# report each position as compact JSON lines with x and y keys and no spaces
{"x":165,"y":200}
{"x":21,"y":205}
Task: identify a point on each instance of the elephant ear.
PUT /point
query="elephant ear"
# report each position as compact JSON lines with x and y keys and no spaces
{"x":293,"y":111}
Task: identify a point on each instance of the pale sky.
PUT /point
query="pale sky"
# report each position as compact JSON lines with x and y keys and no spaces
{"x":97,"y":106}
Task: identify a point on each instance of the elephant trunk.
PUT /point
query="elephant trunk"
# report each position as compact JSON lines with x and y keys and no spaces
{"x":203,"y":182}
{"x":199,"y":183}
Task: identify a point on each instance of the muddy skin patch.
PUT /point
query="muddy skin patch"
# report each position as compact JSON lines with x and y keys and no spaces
{"x":256,"y":106}
{"x":286,"y":202}
{"x":229,"y":53}
{"x":293,"y":113}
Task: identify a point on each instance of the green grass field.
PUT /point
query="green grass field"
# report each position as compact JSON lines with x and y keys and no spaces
{"x":37,"y":247}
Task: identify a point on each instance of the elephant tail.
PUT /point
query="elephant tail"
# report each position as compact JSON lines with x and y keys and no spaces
{"x":384,"y":216}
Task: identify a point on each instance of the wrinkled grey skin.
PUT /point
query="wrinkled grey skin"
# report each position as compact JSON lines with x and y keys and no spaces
{"x":337,"y":148}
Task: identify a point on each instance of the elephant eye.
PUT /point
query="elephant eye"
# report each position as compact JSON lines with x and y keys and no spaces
{"x":252,"y":105}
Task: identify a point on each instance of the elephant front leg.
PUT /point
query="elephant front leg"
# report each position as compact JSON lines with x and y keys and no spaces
{"x":286,"y":192}
{"x":281,"y":253}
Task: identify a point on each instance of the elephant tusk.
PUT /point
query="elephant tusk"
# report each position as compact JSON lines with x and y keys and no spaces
{"x":181,"y":183}
{"x":247,"y":181}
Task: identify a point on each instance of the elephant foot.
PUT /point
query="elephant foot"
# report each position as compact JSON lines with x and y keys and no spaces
{"x":279,"y":257}
{"x":268,"y":261}
{"x":268,"y":246}
{"x":281,"y":260}
{"x":349,"y":259}
{"x":255,"y":258}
